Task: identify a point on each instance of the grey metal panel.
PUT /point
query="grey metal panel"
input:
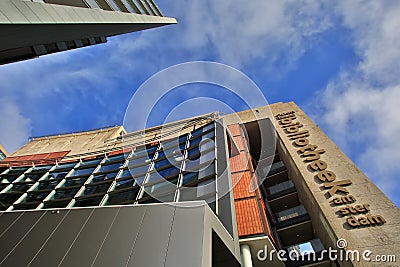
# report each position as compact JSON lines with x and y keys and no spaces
{"x":59,"y":243}
{"x":6,"y":219}
{"x":120,"y":240}
{"x":186,"y":245}
{"x":89,"y":241}
{"x":31,"y":244}
{"x":16,"y":232}
{"x":151,"y":245}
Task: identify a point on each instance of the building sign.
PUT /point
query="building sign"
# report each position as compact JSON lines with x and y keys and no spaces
{"x":337,"y":189}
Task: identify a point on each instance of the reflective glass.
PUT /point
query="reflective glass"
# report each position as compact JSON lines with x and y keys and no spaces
{"x":47,"y":185}
{"x":192,"y":178}
{"x":88,"y":202}
{"x":175,"y":142}
{"x":110,"y":167}
{"x":126,"y":197}
{"x":6,"y":200}
{"x":35,"y":196}
{"x":199,"y":160}
{"x":206,"y":137}
{"x":56,"y":204}
{"x":79,"y":172}
{"x":23,"y":187}
{"x":121,"y":184}
{"x":167,"y":162}
{"x":96,"y":189}
{"x":90,"y":162}
{"x":139,"y":170}
{"x":65,"y":166}
{"x":65,"y":193}
{"x":57,"y":175}
{"x":162,"y":187}
{"x":103,"y":177}
{"x":74,"y":182}
{"x":138,"y":161}
{"x":202,"y":130}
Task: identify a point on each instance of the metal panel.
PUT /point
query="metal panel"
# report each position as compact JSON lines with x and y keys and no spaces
{"x":152,"y":242}
{"x":32,"y":243}
{"x":10,"y":239}
{"x":188,"y":222}
{"x":121,"y":238}
{"x":59,"y":243}
{"x":89,"y":241}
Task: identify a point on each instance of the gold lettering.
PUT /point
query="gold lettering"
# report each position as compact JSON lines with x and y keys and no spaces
{"x":337,"y":186}
{"x":326,"y":176}
{"x":318,"y":165}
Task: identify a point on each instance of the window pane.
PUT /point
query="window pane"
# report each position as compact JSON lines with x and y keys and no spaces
{"x":175,"y":142}
{"x":47,"y":185}
{"x":202,"y":130}
{"x":35,"y":196}
{"x":126,"y":197}
{"x":88,"y":202}
{"x":23,"y":187}
{"x":91,"y":162}
{"x":74,"y":182}
{"x":201,"y":159}
{"x":56,"y":204}
{"x":139,"y":161}
{"x":79,"y":172}
{"x":139,"y":170}
{"x":96,"y":189}
{"x":206,"y":137}
{"x":162,"y":187}
{"x":110,"y":167}
{"x":191,"y":178}
{"x":103,"y":177}
{"x":125,"y":184}
{"x":65,"y":166}
{"x":57,"y":175}
{"x":65,"y":193}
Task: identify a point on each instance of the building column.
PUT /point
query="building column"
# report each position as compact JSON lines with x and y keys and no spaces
{"x":246,"y":256}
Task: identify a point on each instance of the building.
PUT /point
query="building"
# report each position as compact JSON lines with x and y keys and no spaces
{"x":206,"y":191}
{"x":32,"y":28}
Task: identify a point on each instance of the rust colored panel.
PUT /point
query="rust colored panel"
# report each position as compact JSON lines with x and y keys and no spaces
{"x":234,"y":129}
{"x":120,"y":151}
{"x":239,"y":142}
{"x":248,"y":217}
{"x":239,"y":163}
{"x":242,"y":188}
{"x":37,"y":159}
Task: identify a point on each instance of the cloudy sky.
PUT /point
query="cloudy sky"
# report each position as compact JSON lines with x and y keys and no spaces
{"x":338,"y":60}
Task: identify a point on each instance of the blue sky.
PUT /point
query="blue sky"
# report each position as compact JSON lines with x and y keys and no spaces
{"x":338,"y":60}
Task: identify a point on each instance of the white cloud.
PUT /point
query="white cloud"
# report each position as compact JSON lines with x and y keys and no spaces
{"x":361,"y":106}
{"x":15,"y":127}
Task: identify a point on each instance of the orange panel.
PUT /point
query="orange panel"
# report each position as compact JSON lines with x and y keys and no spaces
{"x":248,"y":217}
{"x":242,"y":185}
{"x":234,"y":129}
{"x":239,"y":163}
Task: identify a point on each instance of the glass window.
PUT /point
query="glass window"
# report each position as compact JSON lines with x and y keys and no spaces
{"x":57,"y":175}
{"x":167,"y":162}
{"x":6,"y":200}
{"x":126,"y":197}
{"x":90,"y":162}
{"x":81,"y":172}
{"x":88,"y":202}
{"x":128,"y":6}
{"x":26,"y":206}
{"x":96,"y":189}
{"x":139,"y":161}
{"x":8,"y":178}
{"x":74,"y":182}
{"x":146,"y":198}
{"x":192,"y":178}
{"x":35,"y":196}
{"x":174,"y":142}
{"x":117,"y":158}
{"x":113,"y":5}
{"x":145,"y":151}
{"x":194,"y":163}
{"x":65,"y":166}
{"x":204,"y":190}
{"x":173,"y":152}
{"x":65,"y":193}
{"x":291,"y":213}
{"x":126,"y":183}
{"x":16,"y":171}
{"x":47,"y":185}
{"x":41,"y":169}
{"x":203,"y":138}
{"x":162,"y":175}
{"x":140,"y":170}
{"x":103,"y":177}
{"x":56,"y":204}
{"x":30,"y":177}
{"x":202,"y":130}
{"x":110,"y":167}
{"x":162,"y":188}
{"x":22,"y":187}
{"x":2,"y":186}
{"x":93,"y":4}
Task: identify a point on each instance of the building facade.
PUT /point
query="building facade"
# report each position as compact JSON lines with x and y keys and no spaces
{"x":3,"y":152}
{"x":32,"y":28}
{"x":262,"y":187}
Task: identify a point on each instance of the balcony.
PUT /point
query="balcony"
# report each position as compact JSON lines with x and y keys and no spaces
{"x":291,"y":216}
{"x":280,"y":190}
{"x":307,"y":253}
